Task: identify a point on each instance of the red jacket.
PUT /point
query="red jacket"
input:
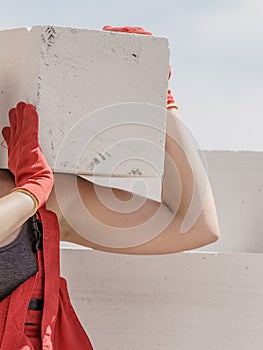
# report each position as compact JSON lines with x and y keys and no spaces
{"x":56,"y":327}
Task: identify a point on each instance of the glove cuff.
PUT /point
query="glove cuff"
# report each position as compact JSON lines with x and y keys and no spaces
{"x":172,"y":105}
{"x":30,"y":195}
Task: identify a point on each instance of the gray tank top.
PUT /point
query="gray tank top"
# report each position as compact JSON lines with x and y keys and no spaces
{"x":17,"y":260}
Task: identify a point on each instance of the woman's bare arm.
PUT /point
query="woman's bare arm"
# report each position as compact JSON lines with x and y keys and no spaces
{"x":186,"y":218}
{"x":15,"y":209}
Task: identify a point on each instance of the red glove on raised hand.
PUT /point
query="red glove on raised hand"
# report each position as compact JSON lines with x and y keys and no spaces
{"x":127,"y":29}
{"x":138,"y":30}
{"x":170,"y":101}
{"x":25,"y":159}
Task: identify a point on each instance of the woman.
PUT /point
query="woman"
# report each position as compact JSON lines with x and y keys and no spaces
{"x":35,"y":310}
{"x":188,"y":220}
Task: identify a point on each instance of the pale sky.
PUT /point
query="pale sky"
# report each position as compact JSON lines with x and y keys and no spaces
{"x":216,"y":56}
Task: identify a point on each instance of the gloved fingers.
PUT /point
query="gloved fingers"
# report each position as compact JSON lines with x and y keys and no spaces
{"x":20,"y":118}
{"x":6,"y":134}
{"x":127,"y":29}
{"x":21,"y":106}
{"x":170,"y":72}
{"x":171,"y":101}
{"x":30,"y":123}
{"x":13,"y":124}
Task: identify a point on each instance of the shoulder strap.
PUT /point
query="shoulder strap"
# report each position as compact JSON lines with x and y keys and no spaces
{"x":51,"y":263}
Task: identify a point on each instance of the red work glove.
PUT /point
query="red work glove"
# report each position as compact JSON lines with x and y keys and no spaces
{"x":25,"y":159}
{"x":170,"y":101}
{"x":127,"y":29}
{"x":138,"y":30}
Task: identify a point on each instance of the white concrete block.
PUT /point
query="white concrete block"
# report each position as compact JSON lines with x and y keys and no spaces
{"x":100,"y":96}
{"x":236,"y":180}
{"x":182,"y":301}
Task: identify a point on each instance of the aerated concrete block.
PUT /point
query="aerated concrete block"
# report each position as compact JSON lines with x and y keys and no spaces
{"x":100,"y":96}
{"x":185,"y":301}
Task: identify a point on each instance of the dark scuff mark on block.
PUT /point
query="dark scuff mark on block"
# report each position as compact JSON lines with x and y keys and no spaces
{"x":135,"y":171}
{"x":49,"y":36}
{"x":38,"y":90}
{"x":97,"y":161}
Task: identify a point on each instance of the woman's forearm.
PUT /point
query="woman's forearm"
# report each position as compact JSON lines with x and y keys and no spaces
{"x":15,"y":209}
